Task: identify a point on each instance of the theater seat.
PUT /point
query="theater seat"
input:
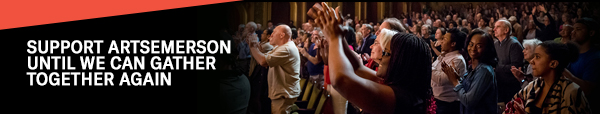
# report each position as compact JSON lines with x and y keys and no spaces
{"x":302,"y":87}
{"x":315,"y":104}
{"x":321,"y":104}
{"x":307,"y":91}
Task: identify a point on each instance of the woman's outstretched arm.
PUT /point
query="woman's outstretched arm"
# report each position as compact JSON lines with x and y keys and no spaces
{"x":369,"y":95}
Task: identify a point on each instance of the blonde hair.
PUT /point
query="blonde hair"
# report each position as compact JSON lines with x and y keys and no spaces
{"x":359,"y":38}
{"x":386,"y":35}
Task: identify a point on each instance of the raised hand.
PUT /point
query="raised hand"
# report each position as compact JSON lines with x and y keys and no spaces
{"x":542,"y":8}
{"x":313,"y":13}
{"x":251,"y":39}
{"x":330,"y":20}
{"x":533,"y":10}
{"x":302,"y":51}
{"x":518,"y":73}
{"x":433,"y":44}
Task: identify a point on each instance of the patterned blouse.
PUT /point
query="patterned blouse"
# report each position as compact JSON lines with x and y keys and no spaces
{"x":565,"y":97}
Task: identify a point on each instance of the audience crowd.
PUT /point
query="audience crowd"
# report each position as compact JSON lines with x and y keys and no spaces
{"x":533,"y":57}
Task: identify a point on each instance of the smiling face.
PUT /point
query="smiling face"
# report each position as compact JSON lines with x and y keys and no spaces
{"x":376,"y":49}
{"x":384,"y":63}
{"x":476,"y":46}
{"x":365,"y":31}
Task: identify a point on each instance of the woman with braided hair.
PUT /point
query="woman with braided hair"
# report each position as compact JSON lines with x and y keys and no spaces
{"x":405,"y":68}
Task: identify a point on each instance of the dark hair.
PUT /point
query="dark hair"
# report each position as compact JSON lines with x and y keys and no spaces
{"x":410,"y":65}
{"x":280,"y":24}
{"x":465,"y":30}
{"x":269,"y":31}
{"x":458,"y":37}
{"x":442,"y":29}
{"x":485,"y":20}
{"x":489,"y":54}
{"x":563,"y":53}
{"x":591,"y":25}
{"x":229,"y":62}
{"x":454,"y":23}
{"x":294,"y":34}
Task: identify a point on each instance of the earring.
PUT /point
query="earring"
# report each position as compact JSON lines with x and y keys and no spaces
{"x":386,"y":53}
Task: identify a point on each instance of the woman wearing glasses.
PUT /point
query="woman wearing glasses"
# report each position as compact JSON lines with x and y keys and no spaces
{"x":405,"y":68}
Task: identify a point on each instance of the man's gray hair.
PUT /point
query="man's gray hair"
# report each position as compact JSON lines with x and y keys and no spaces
{"x":506,"y":24}
{"x":252,"y":24}
{"x":320,"y":32}
{"x":395,"y":24}
{"x":426,"y":26}
{"x":368,"y":27}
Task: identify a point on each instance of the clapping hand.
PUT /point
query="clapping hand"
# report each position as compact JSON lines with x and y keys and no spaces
{"x":450,"y":72}
{"x":518,"y":107}
{"x":329,"y":19}
{"x":533,"y":10}
{"x":542,"y":8}
{"x":365,"y":57}
{"x":251,"y":39}
{"x":518,"y":73}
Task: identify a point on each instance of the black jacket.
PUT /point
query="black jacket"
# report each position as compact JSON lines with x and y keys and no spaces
{"x":548,"y":32}
{"x":365,"y":48}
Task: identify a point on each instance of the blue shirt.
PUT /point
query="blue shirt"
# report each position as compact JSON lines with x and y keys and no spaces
{"x":244,"y":51}
{"x":314,"y":69}
{"x":477,"y":92}
{"x":587,"y":66}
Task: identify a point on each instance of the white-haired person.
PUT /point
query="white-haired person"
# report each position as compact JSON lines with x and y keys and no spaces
{"x":552,"y":92}
{"x":524,"y":73}
{"x":404,"y":64}
{"x":510,"y":53}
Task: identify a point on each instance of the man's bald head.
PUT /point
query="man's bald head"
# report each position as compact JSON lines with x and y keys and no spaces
{"x":309,"y":27}
{"x":287,"y":30}
{"x":281,"y":35}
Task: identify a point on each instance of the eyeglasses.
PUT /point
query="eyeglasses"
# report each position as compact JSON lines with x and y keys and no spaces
{"x":386,"y":53}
